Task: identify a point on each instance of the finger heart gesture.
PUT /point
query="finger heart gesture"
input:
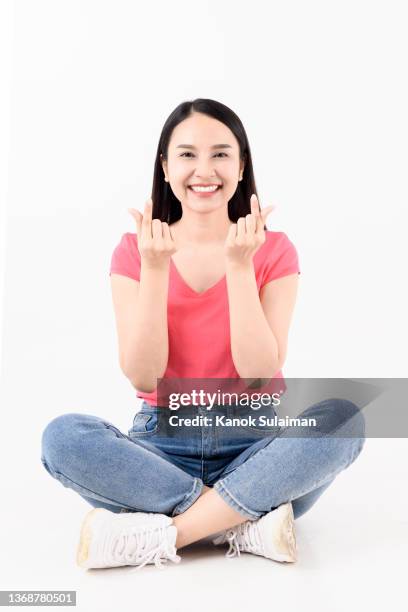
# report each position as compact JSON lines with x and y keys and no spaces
{"x":247,"y":235}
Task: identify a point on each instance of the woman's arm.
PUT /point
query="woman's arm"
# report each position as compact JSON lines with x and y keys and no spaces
{"x":144,"y":355}
{"x":259,"y":324}
{"x":254,"y":348}
{"x":141,"y":310}
{"x":147,"y":350}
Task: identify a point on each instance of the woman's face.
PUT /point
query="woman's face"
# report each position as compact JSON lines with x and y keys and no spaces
{"x":195,"y":156}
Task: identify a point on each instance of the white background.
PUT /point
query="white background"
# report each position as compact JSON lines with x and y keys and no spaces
{"x":321,"y":88}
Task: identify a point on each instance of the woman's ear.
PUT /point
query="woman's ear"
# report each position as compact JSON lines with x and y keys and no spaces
{"x":163,"y":163}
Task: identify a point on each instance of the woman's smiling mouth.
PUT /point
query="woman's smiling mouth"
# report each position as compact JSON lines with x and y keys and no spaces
{"x":204,"y":191}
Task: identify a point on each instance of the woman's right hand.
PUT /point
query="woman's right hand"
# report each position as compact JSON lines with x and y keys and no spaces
{"x":155,"y":242}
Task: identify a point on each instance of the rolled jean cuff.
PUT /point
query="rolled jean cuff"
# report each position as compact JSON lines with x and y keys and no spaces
{"x":234,"y":503}
{"x":190,"y":498}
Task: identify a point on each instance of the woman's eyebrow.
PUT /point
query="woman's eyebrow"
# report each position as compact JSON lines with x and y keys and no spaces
{"x":217,"y":146}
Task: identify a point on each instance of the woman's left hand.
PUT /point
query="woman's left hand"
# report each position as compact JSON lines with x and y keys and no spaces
{"x":247,"y":235}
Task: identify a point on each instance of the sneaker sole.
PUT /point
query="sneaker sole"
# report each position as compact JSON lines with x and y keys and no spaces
{"x":286,"y":541}
{"x":86,"y":536}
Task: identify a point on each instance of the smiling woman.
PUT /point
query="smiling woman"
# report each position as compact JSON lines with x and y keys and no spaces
{"x":201,"y":291}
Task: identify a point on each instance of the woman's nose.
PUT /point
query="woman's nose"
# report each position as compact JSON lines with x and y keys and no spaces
{"x":204,"y":170}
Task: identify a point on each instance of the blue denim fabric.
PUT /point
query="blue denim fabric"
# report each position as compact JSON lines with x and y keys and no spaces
{"x":153,"y":469}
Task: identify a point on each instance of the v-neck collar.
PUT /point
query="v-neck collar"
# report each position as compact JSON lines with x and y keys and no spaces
{"x":187,"y":290}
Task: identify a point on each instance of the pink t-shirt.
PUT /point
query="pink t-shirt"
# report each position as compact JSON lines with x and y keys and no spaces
{"x":198,"y":323}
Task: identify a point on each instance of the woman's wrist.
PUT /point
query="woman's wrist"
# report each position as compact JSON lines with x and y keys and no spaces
{"x":232,"y":264}
{"x":155,"y":264}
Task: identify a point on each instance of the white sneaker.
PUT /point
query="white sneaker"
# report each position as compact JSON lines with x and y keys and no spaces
{"x":271,"y":536}
{"x":110,"y":539}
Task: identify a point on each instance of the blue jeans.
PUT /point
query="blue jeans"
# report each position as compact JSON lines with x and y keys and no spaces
{"x":253,"y":468}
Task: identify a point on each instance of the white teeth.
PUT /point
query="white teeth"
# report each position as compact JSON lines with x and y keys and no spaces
{"x":213,"y":188}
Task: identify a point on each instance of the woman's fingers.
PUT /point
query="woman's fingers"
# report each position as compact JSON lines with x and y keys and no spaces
{"x":265,"y":212}
{"x":255,"y":210}
{"x":147,"y":219}
{"x":138,"y":219}
{"x":157,"y":232}
{"x":241,"y":230}
{"x":250,"y":222}
{"x":155,"y":240}
{"x":260,"y":214}
{"x":143,"y":222}
{"x":167,"y":235}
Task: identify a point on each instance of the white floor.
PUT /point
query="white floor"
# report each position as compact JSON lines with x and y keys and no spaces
{"x":352,"y":550}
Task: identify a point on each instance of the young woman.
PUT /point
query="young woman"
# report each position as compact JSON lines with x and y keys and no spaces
{"x":201,"y":291}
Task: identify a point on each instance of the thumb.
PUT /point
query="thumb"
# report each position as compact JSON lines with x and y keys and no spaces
{"x":138,"y":217}
{"x":266,"y":211}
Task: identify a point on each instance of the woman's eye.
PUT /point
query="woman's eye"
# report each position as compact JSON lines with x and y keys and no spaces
{"x":188,"y":153}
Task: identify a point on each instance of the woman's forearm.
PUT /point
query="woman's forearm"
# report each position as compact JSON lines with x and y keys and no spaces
{"x":254,"y":347}
{"x":148,"y":346}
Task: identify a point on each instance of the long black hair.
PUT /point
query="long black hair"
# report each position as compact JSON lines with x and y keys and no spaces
{"x":166,"y":206}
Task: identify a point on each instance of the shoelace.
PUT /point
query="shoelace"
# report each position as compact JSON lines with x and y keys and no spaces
{"x":132,"y":546}
{"x":243,"y":537}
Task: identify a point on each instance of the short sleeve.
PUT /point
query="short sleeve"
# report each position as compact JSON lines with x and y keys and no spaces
{"x":126,"y":257}
{"x":281,"y":257}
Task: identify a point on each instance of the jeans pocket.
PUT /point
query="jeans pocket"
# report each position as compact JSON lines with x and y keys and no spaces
{"x":144,"y":424}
